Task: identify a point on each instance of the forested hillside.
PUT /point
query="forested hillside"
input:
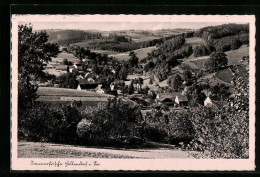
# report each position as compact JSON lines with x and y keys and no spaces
{"x":220,"y":31}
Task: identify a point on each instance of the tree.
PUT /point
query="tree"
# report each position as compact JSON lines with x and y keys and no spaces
{"x":117,"y":122}
{"x":220,"y":90}
{"x":131,"y":88}
{"x":216,"y":61}
{"x":224,"y":132}
{"x":133,"y":61}
{"x":67,"y":80}
{"x":175,"y":82}
{"x":33,"y":50}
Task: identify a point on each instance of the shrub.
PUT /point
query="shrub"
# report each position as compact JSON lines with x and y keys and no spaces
{"x":170,"y":127}
{"x":118,"y":123}
{"x":44,"y":123}
{"x":224,"y":132}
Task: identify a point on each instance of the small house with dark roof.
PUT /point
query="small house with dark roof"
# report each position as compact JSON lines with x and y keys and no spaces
{"x":166,"y":98}
{"x":87,"y":85}
{"x":181,"y":100}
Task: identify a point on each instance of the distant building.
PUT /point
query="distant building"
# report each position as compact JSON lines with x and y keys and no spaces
{"x":208,"y":102}
{"x":127,"y":83}
{"x":112,"y":86}
{"x":181,"y":100}
{"x":87,"y":85}
{"x":166,"y":98}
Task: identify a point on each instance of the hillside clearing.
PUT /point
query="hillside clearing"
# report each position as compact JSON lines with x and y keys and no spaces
{"x":140,"y":53}
{"x":195,"y":41}
{"x":65,"y":55}
{"x":50,"y":91}
{"x":234,"y":56}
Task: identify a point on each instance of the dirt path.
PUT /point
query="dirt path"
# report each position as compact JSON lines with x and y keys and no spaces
{"x":38,"y":150}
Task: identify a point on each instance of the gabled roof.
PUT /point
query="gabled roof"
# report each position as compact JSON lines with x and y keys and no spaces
{"x":86,"y":82}
{"x":127,"y":82}
{"x":163,"y":96}
{"x":182,"y":98}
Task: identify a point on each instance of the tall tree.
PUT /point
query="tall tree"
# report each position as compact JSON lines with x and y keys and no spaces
{"x":216,"y":61}
{"x":33,"y":50}
{"x":175,"y":82}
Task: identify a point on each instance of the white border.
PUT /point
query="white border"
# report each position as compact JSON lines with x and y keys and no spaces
{"x":134,"y":164}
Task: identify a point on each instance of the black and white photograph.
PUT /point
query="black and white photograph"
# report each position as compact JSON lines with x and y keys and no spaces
{"x":133,"y":92}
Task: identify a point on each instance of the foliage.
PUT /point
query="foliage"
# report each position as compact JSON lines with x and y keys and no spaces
{"x":224,"y":132}
{"x":195,"y":94}
{"x":45,"y":123}
{"x":162,"y":70}
{"x":118,"y":121}
{"x":220,"y":31}
{"x":175,"y":82}
{"x":201,"y":50}
{"x":33,"y":50}
{"x":148,"y":66}
{"x":171,"y":127}
{"x":67,"y":80}
{"x":216,"y":61}
{"x":220,"y":90}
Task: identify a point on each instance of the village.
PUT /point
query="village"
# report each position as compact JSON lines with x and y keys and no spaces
{"x":128,"y":88}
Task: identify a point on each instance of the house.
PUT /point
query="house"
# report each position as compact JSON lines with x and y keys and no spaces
{"x":166,"y":98}
{"x":127,"y":83}
{"x":99,"y":89}
{"x":77,"y":65}
{"x":181,"y":100}
{"x":87,"y":85}
{"x":119,"y":93}
{"x":112,"y":86}
{"x":208,"y":102}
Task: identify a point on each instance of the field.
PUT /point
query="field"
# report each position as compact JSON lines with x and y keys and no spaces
{"x":50,"y":91}
{"x":44,"y":150}
{"x":195,"y":41}
{"x":150,"y":151}
{"x":234,"y":56}
{"x":63,"y":55}
{"x":140,"y":53}
{"x":225,"y":75}
{"x":108,"y":52}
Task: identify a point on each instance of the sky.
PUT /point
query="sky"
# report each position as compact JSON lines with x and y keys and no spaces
{"x":115,"y":26}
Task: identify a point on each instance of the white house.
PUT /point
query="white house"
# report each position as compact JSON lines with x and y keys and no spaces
{"x":208,"y":102}
{"x":99,"y":89}
{"x":112,"y":86}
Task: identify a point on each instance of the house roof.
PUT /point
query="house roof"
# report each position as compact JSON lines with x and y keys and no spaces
{"x":191,"y":65}
{"x":127,"y":82}
{"x":163,"y":96}
{"x":86,"y":82}
{"x":154,"y":88}
{"x":182,"y":98}
{"x":163,"y":83}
